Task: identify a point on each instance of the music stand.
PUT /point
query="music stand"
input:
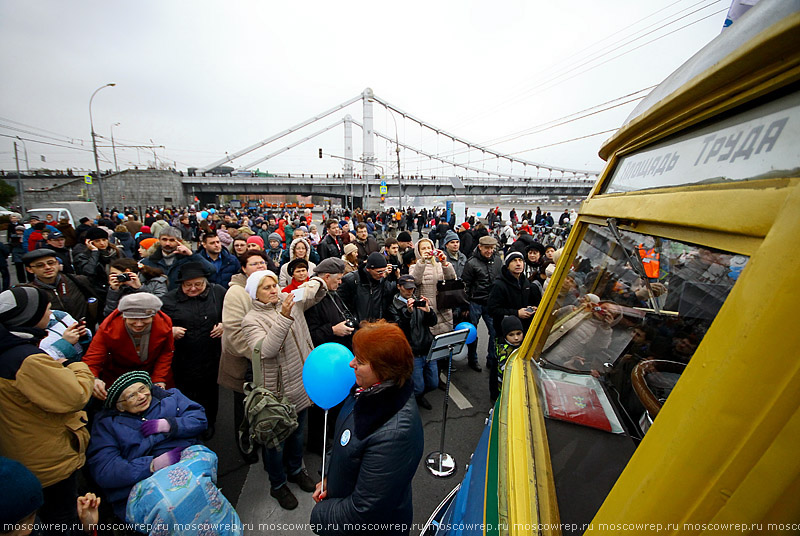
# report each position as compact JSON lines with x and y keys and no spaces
{"x":439,"y":463}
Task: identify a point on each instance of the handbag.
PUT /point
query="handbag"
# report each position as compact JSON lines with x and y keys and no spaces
{"x":451,"y":294}
{"x":269,"y":418}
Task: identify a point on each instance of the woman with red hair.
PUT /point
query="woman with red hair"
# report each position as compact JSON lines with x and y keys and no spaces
{"x":378,"y":441}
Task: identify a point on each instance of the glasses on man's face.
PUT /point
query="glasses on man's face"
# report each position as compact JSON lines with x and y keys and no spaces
{"x":46,"y":263}
{"x":256,"y":264}
{"x":200,"y":284}
{"x":143,"y":390}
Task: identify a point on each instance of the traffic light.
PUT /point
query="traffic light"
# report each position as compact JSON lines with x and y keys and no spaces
{"x":383,"y":198}
{"x":320,"y":152}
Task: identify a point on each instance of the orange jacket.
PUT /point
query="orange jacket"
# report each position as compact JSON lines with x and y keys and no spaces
{"x":651,"y":260}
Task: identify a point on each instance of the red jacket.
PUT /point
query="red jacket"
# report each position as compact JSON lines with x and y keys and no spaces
{"x":112,"y":353}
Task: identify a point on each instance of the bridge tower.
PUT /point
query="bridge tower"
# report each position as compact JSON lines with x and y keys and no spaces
{"x":368,"y":97}
{"x":348,"y":148}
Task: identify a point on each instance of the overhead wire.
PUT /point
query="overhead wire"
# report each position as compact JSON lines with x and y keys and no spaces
{"x":566,"y":69}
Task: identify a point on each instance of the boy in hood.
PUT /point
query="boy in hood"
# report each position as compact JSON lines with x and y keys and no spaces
{"x":510,"y":339}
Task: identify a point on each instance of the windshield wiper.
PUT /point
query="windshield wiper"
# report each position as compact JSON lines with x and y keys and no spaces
{"x":635,"y":262}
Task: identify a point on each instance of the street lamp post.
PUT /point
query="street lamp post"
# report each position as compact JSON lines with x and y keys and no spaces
{"x":94,"y":146}
{"x":114,"y":147}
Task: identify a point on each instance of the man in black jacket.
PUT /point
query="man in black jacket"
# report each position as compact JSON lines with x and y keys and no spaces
{"x":479,"y":274}
{"x":331,"y":245}
{"x":512,"y":295}
{"x":70,"y":293}
{"x":328,"y":320}
{"x":365,"y":243}
{"x":415,"y":318}
{"x":368,"y":290}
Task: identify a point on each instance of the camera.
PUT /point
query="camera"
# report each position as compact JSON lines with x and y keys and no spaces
{"x":419,"y":303}
{"x":530,"y":309}
{"x":124,"y":276}
{"x":350,"y":323}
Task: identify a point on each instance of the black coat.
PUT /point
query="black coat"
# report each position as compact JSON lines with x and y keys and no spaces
{"x":376,"y":450}
{"x":366,"y":298}
{"x":509,"y":295}
{"x":330,"y":247}
{"x":323,"y":316}
{"x":415,"y":324}
{"x":467,"y":242}
{"x":94,"y":265}
{"x":479,"y":275}
{"x":196,"y":354}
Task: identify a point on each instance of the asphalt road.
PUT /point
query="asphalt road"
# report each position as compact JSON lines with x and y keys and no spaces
{"x":247,"y":486}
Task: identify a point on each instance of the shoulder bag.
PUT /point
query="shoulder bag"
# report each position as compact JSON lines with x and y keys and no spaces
{"x":269,"y":418}
{"x":451,"y":294}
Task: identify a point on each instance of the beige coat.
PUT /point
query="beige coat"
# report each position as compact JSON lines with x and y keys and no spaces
{"x":287,"y":341}
{"x":41,"y":418}
{"x":426,"y":274}
{"x":235,"y":352}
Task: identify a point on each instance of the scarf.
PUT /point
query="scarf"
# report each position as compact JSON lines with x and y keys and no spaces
{"x":141,"y":341}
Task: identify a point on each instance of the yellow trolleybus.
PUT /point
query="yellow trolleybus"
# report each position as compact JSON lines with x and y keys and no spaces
{"x":657,"y":389}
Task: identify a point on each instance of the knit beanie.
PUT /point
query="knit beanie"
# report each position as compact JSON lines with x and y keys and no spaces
{"x":450,"y":236}
{"x":22,"y":306}
{"x":510,"y":323}
{"x":95,"y":233}
{"x":404,"y":236}
{"x":26,"y":497}
{"x":123,"y":382}
{"x":254,"y":281}
{"x":147,"y":242}
{"x":275,"y":236}
{"x":511,"y":256}
{"x":256,"y":240}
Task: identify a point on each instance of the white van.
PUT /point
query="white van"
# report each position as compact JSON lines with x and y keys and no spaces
{"x":71,"y":210}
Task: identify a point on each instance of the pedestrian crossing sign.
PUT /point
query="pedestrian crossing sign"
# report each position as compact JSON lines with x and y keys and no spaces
{"x":87,"y":179}
{"x":384,"y":189}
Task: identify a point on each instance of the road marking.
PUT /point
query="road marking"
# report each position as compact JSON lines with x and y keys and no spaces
{"x":455,"y":395}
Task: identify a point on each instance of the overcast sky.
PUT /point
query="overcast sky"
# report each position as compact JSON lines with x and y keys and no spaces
{"x":201,"y":78}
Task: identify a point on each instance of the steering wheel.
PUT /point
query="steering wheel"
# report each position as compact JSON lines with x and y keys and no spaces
{"x":646,"y":396}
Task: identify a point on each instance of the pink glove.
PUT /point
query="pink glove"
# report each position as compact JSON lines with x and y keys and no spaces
{"x":155,"y":426}
{"x":166,"y":459}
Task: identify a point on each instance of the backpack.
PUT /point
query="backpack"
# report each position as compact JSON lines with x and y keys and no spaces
{"x":269,"y":418}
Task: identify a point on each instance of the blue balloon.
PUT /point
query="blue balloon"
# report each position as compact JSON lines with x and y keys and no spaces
{"x":479,"y":214}
{"x":212,"y":211}
{"x":327,"y":375}
{"x":473,"y":331}
{"x":204,"y":214}
{"x":120,"y":216}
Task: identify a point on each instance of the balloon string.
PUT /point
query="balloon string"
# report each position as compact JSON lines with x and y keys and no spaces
{"x":324,"y":448}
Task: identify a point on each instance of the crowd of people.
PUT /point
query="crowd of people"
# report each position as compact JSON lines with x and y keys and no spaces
{"x":120,"y":332}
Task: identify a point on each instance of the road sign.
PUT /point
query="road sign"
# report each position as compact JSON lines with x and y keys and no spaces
{"x":384,"y":189}
{"x":383,"y":183}
{"x":87,"y":179}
